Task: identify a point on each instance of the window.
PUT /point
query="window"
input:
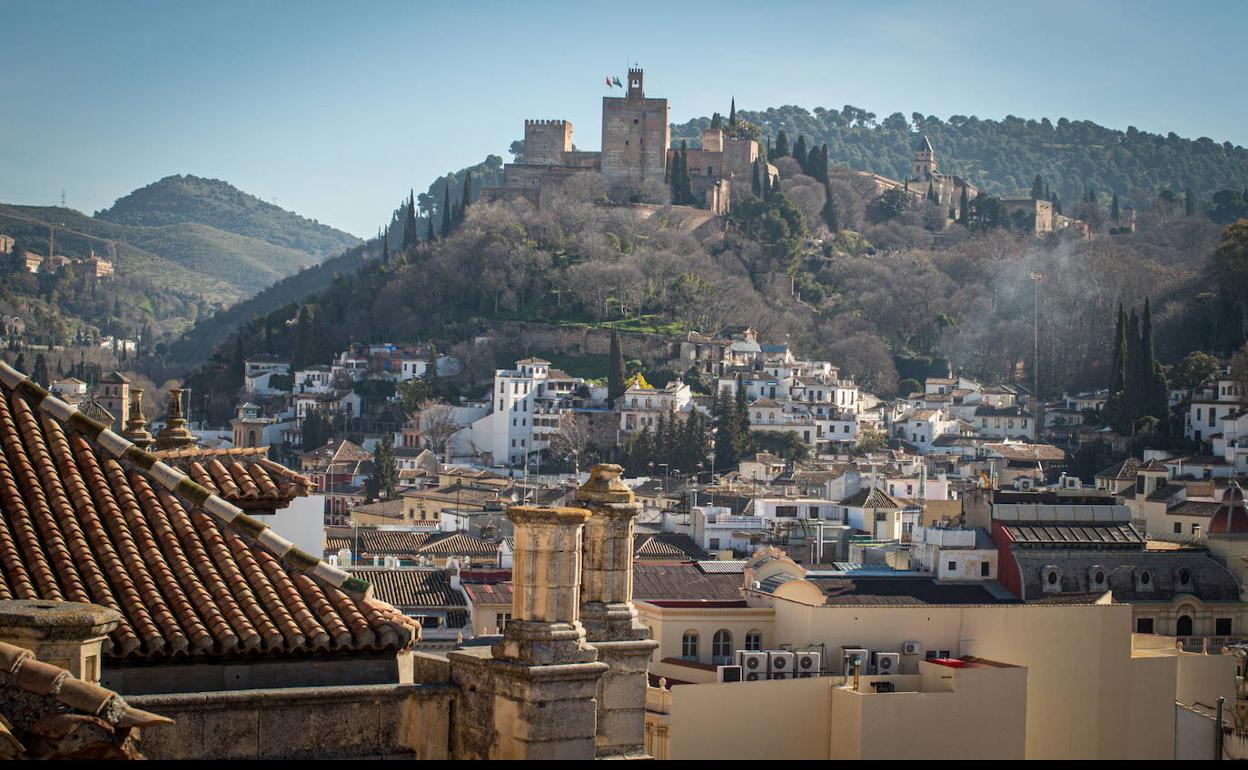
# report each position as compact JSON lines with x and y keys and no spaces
{"x":953,"y":565}
{"x":985,"y":569}
{"x":754,"y":640}
{"x":1222,"y":627}
{"x":721,"y":647}
{"x":1144,"y":625}
{"x":500,"y":620}
{"x":1184,"y":626}
{"x":1178,"y":528}
{"x":689,"y":645}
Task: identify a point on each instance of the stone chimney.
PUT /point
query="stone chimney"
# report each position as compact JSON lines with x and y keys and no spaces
{"x":175,"y":434}
{"x":607,"y":611}
{"x":136,"y":423}
{"x":531,"y":695}
{"x":65,"y":634}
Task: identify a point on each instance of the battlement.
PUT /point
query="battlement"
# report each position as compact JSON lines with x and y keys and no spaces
{"x":547,"y":141}
{"x":556,"y":122}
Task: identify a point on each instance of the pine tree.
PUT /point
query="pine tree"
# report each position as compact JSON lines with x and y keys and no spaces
{"x":447,"y":213}
{"x":616,"y":374}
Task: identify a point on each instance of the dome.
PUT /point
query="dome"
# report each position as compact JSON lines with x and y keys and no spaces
{"x":1231,"y":518}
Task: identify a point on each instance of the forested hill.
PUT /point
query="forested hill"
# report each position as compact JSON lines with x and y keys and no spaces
{"x":185,"y":199}
{"x":1003,"y":157}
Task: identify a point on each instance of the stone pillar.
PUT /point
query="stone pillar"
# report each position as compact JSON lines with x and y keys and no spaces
{"x":66,"y":634}
{"x":611,"y":623}
{"x":531,"y":695}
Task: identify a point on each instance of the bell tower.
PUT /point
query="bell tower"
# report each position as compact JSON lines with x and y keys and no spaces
{"x":635,"y":83}
{"x":924,"y":164}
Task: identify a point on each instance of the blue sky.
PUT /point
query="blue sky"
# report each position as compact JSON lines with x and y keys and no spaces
{"x":335,"y":109}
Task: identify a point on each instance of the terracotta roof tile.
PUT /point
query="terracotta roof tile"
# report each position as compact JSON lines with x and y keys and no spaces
{"x":86,"y":516}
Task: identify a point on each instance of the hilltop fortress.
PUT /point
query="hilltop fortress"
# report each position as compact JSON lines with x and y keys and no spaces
{"x":636,"y":151}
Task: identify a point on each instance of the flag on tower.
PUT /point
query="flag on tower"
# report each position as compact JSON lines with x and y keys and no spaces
{"x":618,"y":84}
{"x":608,"y":81}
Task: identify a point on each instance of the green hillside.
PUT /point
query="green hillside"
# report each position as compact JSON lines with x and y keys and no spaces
{"x":185,"y":199}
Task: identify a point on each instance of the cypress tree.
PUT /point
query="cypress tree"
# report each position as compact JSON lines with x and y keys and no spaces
{"x":756,"y":185}
{"x":383,"y":483}
{"x":1189,"y":202}
{"x":1155,"y":402}
{"x":800,"y":152}
{"x":931,"y":192}
{"x":1117,"y":369}
{"x":964,"y":208}
{"x":1037,"y":188}
{"x":732,"y":113}
{"x":385,"y":244}
{"x":716,"y":121}
{"x":831,"y":215}
{"x":1129,"y":407}
{"x":782,"y":145}
{"x":446,"y":209}
{"x":467,"y":199}
{"x":821,"y":168}
{"x":409,"y":222}
{"x":429,"y":234}
{"x":741,"y":407}
{"x":1114,"y":212}
{"x":615,"y":370}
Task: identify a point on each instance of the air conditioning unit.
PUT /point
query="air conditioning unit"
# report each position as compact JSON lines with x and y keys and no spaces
{"x":909,"y":648}
{"x":753,"y":665}
{"x":854,"y":658}
{"x":780,"y":664}
{"x":728,"y":674}
{"x":807,"y":665}
{"x":887,"y":663}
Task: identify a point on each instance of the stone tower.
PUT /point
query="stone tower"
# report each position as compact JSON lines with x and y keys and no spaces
{"x":635,"y":133}
{"x":924,"y":163}
{"x":546,"y":142}
{"x":113,"y":393}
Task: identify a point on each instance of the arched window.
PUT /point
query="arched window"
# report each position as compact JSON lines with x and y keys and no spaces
{"x":754,"y":640}
{"x":689,"y":645}
{"x":721,"y":647}
{"x":1184,"y":626}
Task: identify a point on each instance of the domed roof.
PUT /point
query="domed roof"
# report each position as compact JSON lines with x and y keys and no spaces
{"x":1231,"y":518}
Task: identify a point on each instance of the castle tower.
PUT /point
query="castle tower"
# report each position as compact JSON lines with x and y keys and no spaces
{"x":924,"y":163}
{"x":546,"y":142}
{"x":635,"y":133}
{"x":136,"y":423}
{"x":247,"y":427}
{"x":175,"y":434}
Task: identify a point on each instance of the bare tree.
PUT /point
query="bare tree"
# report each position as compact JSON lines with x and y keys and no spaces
{"x":571,"y":440}
{"x":437,"y":425}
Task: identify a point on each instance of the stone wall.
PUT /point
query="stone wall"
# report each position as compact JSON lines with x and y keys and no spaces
{"x":403,"y":721}
{"x":545,"y":141}
{"x":582,"y":340}
{"x":213,"y":676}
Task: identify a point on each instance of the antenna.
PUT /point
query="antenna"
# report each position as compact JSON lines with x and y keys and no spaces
{"x":62,"y":197}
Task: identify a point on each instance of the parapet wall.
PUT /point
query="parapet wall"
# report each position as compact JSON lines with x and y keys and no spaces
{"x":395,"y":721}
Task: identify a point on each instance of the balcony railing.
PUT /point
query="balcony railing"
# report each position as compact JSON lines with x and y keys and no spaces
{"x":1197,"y":643}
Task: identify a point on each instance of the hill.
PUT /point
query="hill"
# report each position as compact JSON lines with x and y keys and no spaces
{"x":185,"y":199}
{"x":1003,"y":157}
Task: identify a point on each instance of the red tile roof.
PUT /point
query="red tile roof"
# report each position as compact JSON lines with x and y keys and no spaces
{"x":87,"y":516}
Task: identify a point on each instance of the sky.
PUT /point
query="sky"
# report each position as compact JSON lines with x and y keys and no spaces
{"x":336,"y":109}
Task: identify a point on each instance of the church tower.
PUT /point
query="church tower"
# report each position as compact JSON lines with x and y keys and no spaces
{"x":924,"y":164}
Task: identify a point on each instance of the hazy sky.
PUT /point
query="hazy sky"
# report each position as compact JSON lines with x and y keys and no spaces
{"x":335,"y":109}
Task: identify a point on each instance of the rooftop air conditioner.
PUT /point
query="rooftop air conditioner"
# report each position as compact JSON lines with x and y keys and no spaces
{"x":807,"y":665}
{"x":728,"y":674}
{"x":887,"y":663}
{"x":753,"y":665}
{"x":909,"y":648}
{"x":780,"y":664}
